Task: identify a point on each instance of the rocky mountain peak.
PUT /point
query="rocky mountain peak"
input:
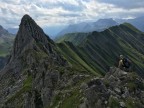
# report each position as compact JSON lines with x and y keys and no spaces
{"x":28,"y":35}
{"x":26,"y":17}
{"x":35,"y":58}
{"x":27,"y":21}
{"x":31,"y":46}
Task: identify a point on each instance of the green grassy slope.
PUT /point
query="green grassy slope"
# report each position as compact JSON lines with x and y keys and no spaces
{"x":73,"y":55}
{"x":75,"y":38}
{"x":100,"y":50}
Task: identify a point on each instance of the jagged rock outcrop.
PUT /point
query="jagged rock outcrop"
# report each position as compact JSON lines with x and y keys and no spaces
{"x":118,"y":89}
{"x":29,"y":33}
{"x":32,"y":72}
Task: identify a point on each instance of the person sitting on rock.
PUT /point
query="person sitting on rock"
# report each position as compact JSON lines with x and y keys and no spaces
{"x":124,"y":63}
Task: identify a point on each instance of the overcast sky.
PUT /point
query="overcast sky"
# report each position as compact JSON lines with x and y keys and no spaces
{"x":60,"y":12}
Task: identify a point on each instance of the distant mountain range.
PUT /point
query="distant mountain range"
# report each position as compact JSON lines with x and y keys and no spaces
{"x":137,"y":22}
{"x":101,"y":25}
{"x":12,"y":30}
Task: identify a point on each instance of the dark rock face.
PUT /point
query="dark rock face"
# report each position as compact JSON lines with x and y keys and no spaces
{"x":118,"y":89}
{"x":31,"y":75}
{"x":28,"y":32}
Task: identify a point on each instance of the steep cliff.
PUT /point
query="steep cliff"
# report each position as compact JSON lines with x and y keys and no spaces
{"x":32,"y":71}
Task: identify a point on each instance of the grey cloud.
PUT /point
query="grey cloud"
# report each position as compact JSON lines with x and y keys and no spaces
{"x":8,"y":22}
{"x":124,"y":14}
{"x":86,"y":0}
{"x":127,"y":4}
{"x":69,"y":14}
{"x":13,"y":12}
{"x":65,"y":6}
{"x":71,"y":7}
{"x":8,"y":11}
{"x":11,"y":1}
{"x":4,"y":10}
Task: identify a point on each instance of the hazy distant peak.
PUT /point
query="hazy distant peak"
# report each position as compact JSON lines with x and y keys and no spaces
{"x":106,"y":21}
{"x":3,"y":31}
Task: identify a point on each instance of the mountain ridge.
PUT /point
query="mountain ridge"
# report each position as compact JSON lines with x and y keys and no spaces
{"x":101,"y":25}
{"x":114,"y":41}
{"x":137,"y":22}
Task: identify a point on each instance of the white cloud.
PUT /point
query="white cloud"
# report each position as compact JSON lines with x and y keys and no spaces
{"x":11,"y":1}
{"x":127,"y":4}
{"x":59,"y":12}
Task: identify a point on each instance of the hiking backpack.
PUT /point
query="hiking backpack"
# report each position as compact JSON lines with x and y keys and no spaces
{"x":126,"y":62}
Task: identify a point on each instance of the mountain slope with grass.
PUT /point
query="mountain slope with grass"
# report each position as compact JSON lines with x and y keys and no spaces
{"x":100,"y":50}
{"x":75,"y":38}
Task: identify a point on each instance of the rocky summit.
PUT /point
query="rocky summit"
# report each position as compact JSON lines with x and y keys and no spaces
{"x":38,"y":76}
{"x":118,"y":89}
